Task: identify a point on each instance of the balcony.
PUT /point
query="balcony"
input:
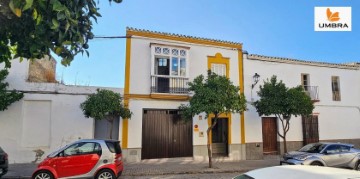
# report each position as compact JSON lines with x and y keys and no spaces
{"x":169,"y":85}
{"x":313,"y":92}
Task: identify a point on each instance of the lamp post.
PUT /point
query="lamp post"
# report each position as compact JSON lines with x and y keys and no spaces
{"x":255,"y":80}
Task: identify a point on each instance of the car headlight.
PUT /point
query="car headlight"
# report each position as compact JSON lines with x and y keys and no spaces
{"x":301,"y":157}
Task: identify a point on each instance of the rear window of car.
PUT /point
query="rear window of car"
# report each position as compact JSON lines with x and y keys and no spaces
{"x":114,"y":147}
{"x":1,"y":150}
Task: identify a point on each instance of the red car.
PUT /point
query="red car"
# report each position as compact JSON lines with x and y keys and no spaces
{"x":88,"y":158}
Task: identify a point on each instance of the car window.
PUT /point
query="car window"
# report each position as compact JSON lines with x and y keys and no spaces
{"x":344,"y":148}
{"x":313,"y":148}
{"x":82,"y":149}
{"x":1,"y":150}
{"x":114,"y":147}
{"x":332,"y":149}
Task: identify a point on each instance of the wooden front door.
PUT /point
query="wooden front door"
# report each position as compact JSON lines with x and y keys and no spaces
{"x":165,"y":135}
{"x":310,"y":129}
{"x":269,"y":133}
{"x":219,"y":137}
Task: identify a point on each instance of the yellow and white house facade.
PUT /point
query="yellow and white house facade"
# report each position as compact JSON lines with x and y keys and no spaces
{"x":159,"y":65}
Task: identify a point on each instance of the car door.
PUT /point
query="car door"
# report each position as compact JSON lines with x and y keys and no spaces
{"x":346,"y":156}
{"x":78,"y":159}
{"x":332,"y":155}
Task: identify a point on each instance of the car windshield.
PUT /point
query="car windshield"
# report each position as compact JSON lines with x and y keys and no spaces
{"x":313,"y":148}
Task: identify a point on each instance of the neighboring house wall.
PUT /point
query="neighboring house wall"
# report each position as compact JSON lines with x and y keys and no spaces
{"x":138,"y":95}
{"x":338,"y":121}
{"x":48,"y":117}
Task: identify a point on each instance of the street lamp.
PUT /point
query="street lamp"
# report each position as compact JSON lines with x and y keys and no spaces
{"x":255,"y":80}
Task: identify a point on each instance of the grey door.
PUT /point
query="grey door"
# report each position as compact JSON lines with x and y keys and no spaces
{"x":102,"y":128}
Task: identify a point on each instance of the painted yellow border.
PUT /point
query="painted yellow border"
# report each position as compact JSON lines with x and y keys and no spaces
{"x":228,"y":116}
{"x":241,"y":84}
{"x":183,"y":39}
{"x":125,"y":128}
{"x":219,"y":59}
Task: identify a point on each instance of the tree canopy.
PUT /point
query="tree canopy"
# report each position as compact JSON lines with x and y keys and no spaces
{"x":105,"y":104}
{"x":276,"y":99}
{"x":215,"y":95}
{"x":7,"y":97}
{"x":32,"y":29}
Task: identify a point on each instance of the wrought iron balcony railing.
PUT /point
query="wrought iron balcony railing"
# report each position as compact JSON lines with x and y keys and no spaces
{"x":168,"y":84}
{"x":312,"y":91}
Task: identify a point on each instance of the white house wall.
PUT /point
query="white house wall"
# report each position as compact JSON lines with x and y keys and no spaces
{"x":48,"y":117}
{"x":338,"y":120}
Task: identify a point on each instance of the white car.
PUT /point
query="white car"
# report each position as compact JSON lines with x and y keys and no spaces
{"x":300,"y":172}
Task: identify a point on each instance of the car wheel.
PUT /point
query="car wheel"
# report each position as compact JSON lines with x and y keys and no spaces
{"x":357,"y":166}
{"x":105,"y":174}
{"x":316,"y":164}
{"x":43,"y":174}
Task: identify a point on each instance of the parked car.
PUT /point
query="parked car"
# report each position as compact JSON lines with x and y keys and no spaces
{"x":87,"y":158}
{"x":325,"y":154}
{"x":4,"y":162}
{"x":299,"y":172}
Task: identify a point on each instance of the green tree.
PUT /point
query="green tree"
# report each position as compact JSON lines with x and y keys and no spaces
{"x":215,"y":95}
{"x":7,"y":97}
{"x":105,"y":104}
{"x":276,"y":99}
{"x":32,"y":29}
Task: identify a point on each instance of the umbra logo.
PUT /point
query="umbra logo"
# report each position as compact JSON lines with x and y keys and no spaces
{"x":332,"y":19}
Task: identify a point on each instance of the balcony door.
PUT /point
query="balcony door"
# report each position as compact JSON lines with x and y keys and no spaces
{"x":162,"y":68}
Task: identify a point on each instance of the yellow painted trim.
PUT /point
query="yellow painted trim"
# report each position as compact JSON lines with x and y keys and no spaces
{"x":183,"y":39}
{"x":219,"y":59}
{"x":228,"y":116}
{"x":241,"y":84}
{"x":125,"y":128}
{"x":170,"y":97}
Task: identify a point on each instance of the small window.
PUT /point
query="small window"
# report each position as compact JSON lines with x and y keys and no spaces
{"x":333,"y":149}
{"x":335,"y":85}
{"x":344,"y":148}
{"x":219,"y":69}
{"x":82,"y":149}
{"x":170,"y":61}
{"x":114,"y":147}
{"x":175,"y":66}
{"x":305,"y":81}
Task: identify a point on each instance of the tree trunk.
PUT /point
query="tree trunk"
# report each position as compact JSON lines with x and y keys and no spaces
{"x":209,"y":145}
{"x":285,"y":147}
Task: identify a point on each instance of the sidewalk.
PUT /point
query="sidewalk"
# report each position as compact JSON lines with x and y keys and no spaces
{"x":165,"y":167}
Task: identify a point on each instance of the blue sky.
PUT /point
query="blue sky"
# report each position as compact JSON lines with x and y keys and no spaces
{"x":282,"y":28}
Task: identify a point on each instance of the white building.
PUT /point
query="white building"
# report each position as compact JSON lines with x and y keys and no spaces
{"x":159,"y":65}
{"x":334,"y":89}
{"x":48,"y":117}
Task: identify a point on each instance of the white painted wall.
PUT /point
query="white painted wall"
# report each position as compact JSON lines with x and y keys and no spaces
{"x":48,"y":117}
{"x":337,"y":119}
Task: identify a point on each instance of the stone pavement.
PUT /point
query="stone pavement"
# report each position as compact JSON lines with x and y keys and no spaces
{"x":165,"y":167}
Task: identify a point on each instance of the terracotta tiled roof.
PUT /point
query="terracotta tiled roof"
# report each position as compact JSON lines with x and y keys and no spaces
{"x":182,"y":36}
{"x":303,"y":62}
